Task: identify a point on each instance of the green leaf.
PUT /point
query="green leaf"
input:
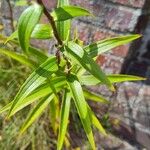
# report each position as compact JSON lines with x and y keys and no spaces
{"x":19,"y":57}
{"x":114,"y":78}
{"x":40,"y":55}
{"x":38,"y":93}
{"x":96,"y":122}
{"x":36,"y":112}
{"x":68,"y":12}
{"x":21,"y":3}
{"x":13,"y":36}
{"x":63,"y":27}
{"x":42,"y":31}
{"x":28,"y":20}
{"x":6,"y":107}
{"x":81,"y":105}
{"x":95,"y":97}
{"x":64,"y":117}
{"x":76,"y":52}
{"x":54,"y":114}
{"x":105,"y":45}
{"x":35,"y":80}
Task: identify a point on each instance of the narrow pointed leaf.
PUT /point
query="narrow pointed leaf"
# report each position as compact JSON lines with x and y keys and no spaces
{"x":96,"y":122}
{"x":21,"y":3}
{"x":114,"y":78}
{"x":63,"y":27}
{"x":76,"y":52}
{"x":81,"y":105}
{"x":68,"y":12}
{"x":105,"y":45}
{"x":38,"y":93}
{"x":95,"y":97}
{"x":36,"y":112}
{"x":20,"y":58}
{"x":28,"y":20}
{"x":6,"y":107}
{"x":64,"y":117}
{"x":41,"y":31}
{"x":13,"y":36}
{"x":35,"y":80}
{"x":40,"y":55}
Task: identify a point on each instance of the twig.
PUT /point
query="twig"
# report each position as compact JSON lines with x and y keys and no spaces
{"x":52,"y":22}
{"x":11,"y":14}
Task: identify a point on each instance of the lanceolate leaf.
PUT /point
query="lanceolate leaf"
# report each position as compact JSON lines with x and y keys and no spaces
{"x":76,"y":52}
{"x":40,"y":55}
{"x":6,"y":107}
{"x":105,"y":45}
{"x":63,"y":27}
{"x":40,"y":92}
{"x":35,"y":80}
{"x":20,"y":58}
{"x":36,"y":112}
{"x":68,"y":12}
{"x":96,"y":122}
{"x":64,"y":114}
{"x":28,"y":20}
{"x":81,"y":105}
{"x":13,"y":36}
{"x":95,"y":97}
{"x":41,"y":31}
{"x":114,"y":78}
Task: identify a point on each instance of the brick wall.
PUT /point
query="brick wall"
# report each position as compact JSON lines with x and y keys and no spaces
{"x":131,"y":102}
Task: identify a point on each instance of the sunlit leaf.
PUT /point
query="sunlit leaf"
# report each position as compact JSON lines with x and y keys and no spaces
{"x":68,"y":12}
{"x":41,"y":31}
{"x":81,"y":105}
{"x":19,"y":57}
{"x":6,"y":107}
{"x":37,"y":53}
{"x":76,"y":52}
{"x":63,"y":27}
{"x":36,"y":112}
{"x":21,"y":3}
{"x":27,"y":21}
{"x":100,"y":47}
{"x":114,"y":78}
{"x":94,"y":97}
{"x":96,"y":122}
{"x":35,"y":80}
{"x":64,"y":118}
{"x":53,"y":106}
{"x":38,"y":93}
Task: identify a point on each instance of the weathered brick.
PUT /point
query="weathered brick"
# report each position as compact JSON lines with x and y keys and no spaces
{"x":49,"y":4}
{"x":110,"y":64}
{"x":121,"y":51}
{"x":133,"y":3}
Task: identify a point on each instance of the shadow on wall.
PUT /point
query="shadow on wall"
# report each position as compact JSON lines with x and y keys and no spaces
{"x":138,"y":59}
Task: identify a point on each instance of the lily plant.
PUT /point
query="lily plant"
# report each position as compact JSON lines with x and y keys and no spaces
{"x":59,"y":79}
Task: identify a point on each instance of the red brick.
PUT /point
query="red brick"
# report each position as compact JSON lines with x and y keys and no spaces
{"x":101,"y":35}
{"x":118,"y":19}
{"x":109,"y":63}
{"x":101,"y":60}
{"x":121,"y":51}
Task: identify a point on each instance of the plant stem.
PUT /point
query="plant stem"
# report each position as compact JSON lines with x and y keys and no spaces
{"x":52,"y":22}
{"x":11,"y":14}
